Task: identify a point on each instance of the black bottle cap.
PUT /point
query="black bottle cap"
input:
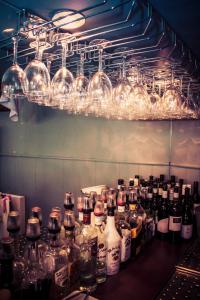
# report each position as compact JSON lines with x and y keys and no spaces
{"x":181,"y":181}
{"x":176,"y":189}
{"x":162,"y":177}
{"x":111,"y":211}
{"x":137,"y":176}
{"x":187,"y":192}
{"x":120,"y":181}
{"x":173,"y":178}
{"x":151,"y":178}
{"x":164,"y":187}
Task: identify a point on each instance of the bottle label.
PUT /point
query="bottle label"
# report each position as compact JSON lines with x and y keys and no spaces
{"x":186,"y":231}
{"x":86,"y":218}
{"x":121,"y":209}
{"x":162,"y":225}
{"x":125,"y":245}
{"x":149,"y":195}
{"x":101,"y":252}
{"x":175,"y":223}
{"x":164,"y":194}
{"x":105,"y":205}
{"x":113,"y":257}
{"x":61,"y":276}
{"x":160,"y":191}
{"x":136,"y":181}
{"x":98,"y":220}
{"x":80,"y":216}
{"x":135,"y":231}
{"x":93,"y":245}
{"x":132,"y":206}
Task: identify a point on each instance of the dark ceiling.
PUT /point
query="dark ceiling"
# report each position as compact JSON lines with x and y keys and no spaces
{"x":182,"y":15}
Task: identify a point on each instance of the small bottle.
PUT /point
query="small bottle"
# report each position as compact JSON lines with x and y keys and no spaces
{"x":163,"y":216}
{"x":187,"y":218}
{"x":113,"y":244}
{"x":101,"y":247}
{"x":175,"y":218}
{"x":56,"y":260}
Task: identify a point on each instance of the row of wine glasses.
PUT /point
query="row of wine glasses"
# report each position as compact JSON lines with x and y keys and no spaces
{"x":97,"y":96}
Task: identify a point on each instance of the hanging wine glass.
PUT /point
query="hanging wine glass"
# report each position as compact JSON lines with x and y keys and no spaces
{"x":80,"y":89}
{"x":14,"y":82}
{"x":155,"y":101}
{"x":100,"y":87}
{"x":139,"y":102}
{"x":38,"y":76}
{"x":62,"y":82}
{"x":121,"y":94}
{"x":192,"y":106}
{"x":172,"y":100}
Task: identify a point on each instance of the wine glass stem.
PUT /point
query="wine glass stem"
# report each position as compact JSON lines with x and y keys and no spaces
{"x":15,"y":42}
{"x":81,"y":63}
{"x":64,"y":54}
{"x":100,"y":60}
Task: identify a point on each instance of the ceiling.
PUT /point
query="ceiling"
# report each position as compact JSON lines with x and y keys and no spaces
{"x":182,"y":15}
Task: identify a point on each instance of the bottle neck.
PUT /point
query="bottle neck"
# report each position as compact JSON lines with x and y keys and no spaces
{"x":86,"y":217}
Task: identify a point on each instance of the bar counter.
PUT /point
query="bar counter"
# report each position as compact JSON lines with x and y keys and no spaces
{"x":143,"y":278}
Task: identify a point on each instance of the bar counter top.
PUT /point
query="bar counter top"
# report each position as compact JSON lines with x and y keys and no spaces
{"x":144,"y":277}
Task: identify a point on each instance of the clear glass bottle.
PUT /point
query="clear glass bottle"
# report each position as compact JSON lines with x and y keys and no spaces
{"x":123,"y":227}
{"x":35,"y":282}
{"x":101,"y":247}
{"x":72,"y":250}
{"x":113,"y":243}
{"x":56,"y":259}
{"x":87,"y":241}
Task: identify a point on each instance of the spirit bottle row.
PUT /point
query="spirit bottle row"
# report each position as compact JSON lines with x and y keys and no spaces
{"x":110,"y":229}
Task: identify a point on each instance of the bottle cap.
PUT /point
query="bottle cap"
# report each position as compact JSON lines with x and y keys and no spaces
{"x":13,"y":222}
{"x":37,"y":213}
{"x":69,"y":201}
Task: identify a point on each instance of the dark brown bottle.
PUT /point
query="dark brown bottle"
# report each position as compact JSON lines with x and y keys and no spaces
{"x":187,"y":218}
{"x":175,"y":218}
{"x":163,"y":216}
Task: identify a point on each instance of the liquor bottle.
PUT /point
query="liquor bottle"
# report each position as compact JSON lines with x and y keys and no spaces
{"x":195,"y":196}
{"x":163,"y":216}
{"x":72,"y":250}
{"x":113,"y":244}
{"x":93,"y":198}
{"x":13,"y":227}
{"x":87,"y":241}
{"x":101,"y":246}
{"x":34,"y":283}
{"x":187,"y":218}
{"x":172,"y":181}
{"x":175,"y":218}
{"x":154,"y":208}
{"x":180,"y":185}
{"x":56,"y":260}
{"x":104,"y":198}
{"x":6,"y":264}
{"x":123,"y":227}
{"x":149,"y":231}
{"x":135,"y":222}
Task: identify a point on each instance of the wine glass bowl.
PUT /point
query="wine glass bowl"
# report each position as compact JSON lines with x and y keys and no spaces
{"x":14,"y":83}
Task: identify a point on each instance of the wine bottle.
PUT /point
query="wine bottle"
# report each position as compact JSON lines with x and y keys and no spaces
{"x":175,"y":218}
{"x":163,"y":217}
{"x":187,"y":219}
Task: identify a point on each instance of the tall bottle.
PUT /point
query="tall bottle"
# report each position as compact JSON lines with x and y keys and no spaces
{"x":72,"y":250}
{"x":154,"y":208}
{"x":113,"y":243}
{"x":163,"y":216}
{"x":195,"y":195}
{"x":13,"y":227}
{"x":135,"y":222}
{"x":87,"y":241}
{"x":187,"y":218}
{"x":123,"y":227}
{"x":175,"y":218}
{"x":6,"y":264}
{"x":101,"y":246}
